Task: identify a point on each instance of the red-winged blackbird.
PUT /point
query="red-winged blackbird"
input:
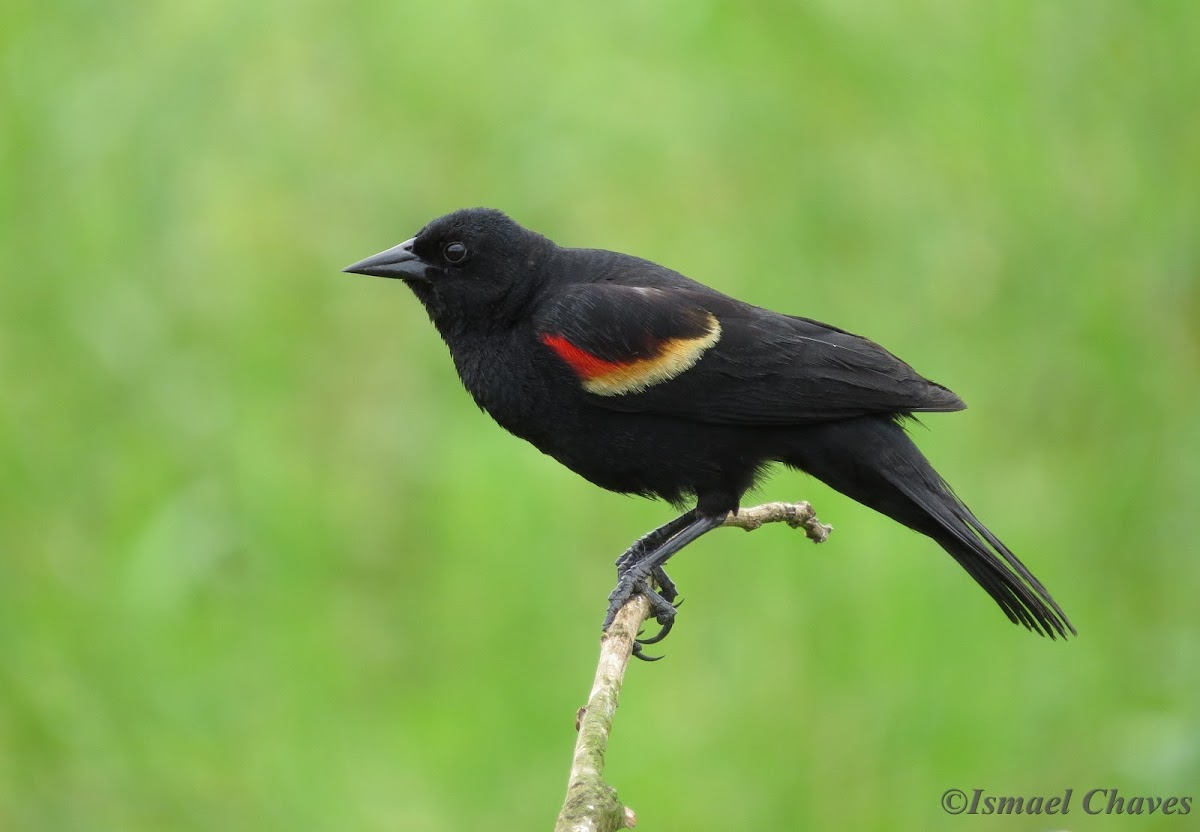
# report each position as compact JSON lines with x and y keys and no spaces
{"x":646,"y":382}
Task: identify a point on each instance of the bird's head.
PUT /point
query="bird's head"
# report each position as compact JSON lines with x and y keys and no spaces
{"x":471,"y":268}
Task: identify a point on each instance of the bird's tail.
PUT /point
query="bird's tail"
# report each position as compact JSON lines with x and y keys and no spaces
{"x":872,"y":460}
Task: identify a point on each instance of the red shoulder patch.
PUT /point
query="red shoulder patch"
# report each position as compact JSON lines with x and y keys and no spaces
{"x":585,"y":365}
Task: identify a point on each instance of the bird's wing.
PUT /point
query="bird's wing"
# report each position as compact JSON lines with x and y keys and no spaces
{"x":695,"y":353}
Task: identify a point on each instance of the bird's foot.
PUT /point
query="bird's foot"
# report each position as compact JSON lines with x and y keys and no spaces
{"x":663,"y":607}
{"x":643,"y":562}
{"x":666,"y":587}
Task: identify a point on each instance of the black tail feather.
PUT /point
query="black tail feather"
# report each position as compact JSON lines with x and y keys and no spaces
{"x":873,"y":461}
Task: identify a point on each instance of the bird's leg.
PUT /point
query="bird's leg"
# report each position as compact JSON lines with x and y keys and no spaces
{"x":683,"y":530}
{"x":652,"y":540}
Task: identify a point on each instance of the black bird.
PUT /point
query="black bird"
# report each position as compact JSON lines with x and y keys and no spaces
{"x":646,"y":382}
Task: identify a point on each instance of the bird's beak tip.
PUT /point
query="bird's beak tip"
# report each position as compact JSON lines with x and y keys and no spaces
{"x":398,"y":261}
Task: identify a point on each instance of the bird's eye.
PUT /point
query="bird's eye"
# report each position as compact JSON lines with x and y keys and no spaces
{"x":455,"y":253}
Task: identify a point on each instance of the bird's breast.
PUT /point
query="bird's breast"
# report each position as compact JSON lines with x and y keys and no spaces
{"x":508,"y":380}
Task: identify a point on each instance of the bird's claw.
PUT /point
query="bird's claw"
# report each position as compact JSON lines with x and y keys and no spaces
{"x":667,"y":624}
{"x":638,"y":654}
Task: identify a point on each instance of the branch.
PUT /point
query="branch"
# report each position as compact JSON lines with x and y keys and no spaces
{"x":796,"y":515}
{"x":592,"y":805}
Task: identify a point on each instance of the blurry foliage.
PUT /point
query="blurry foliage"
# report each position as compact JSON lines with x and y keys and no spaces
{"x":263,"y":565}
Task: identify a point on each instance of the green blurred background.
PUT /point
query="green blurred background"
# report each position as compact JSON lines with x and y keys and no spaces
{"x":265,"y":566}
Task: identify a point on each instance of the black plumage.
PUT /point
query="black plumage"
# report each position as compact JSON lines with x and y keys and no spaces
{"x":646,"y":382}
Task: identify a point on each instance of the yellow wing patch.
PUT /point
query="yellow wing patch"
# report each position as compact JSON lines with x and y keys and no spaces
{"x":675,"y":356}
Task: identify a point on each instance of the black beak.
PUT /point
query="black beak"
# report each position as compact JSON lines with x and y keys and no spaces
{"x":395,"y":262}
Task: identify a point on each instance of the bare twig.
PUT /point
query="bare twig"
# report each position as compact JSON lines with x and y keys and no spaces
{"x":797,"y":515}
{"x":592,"y":805}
